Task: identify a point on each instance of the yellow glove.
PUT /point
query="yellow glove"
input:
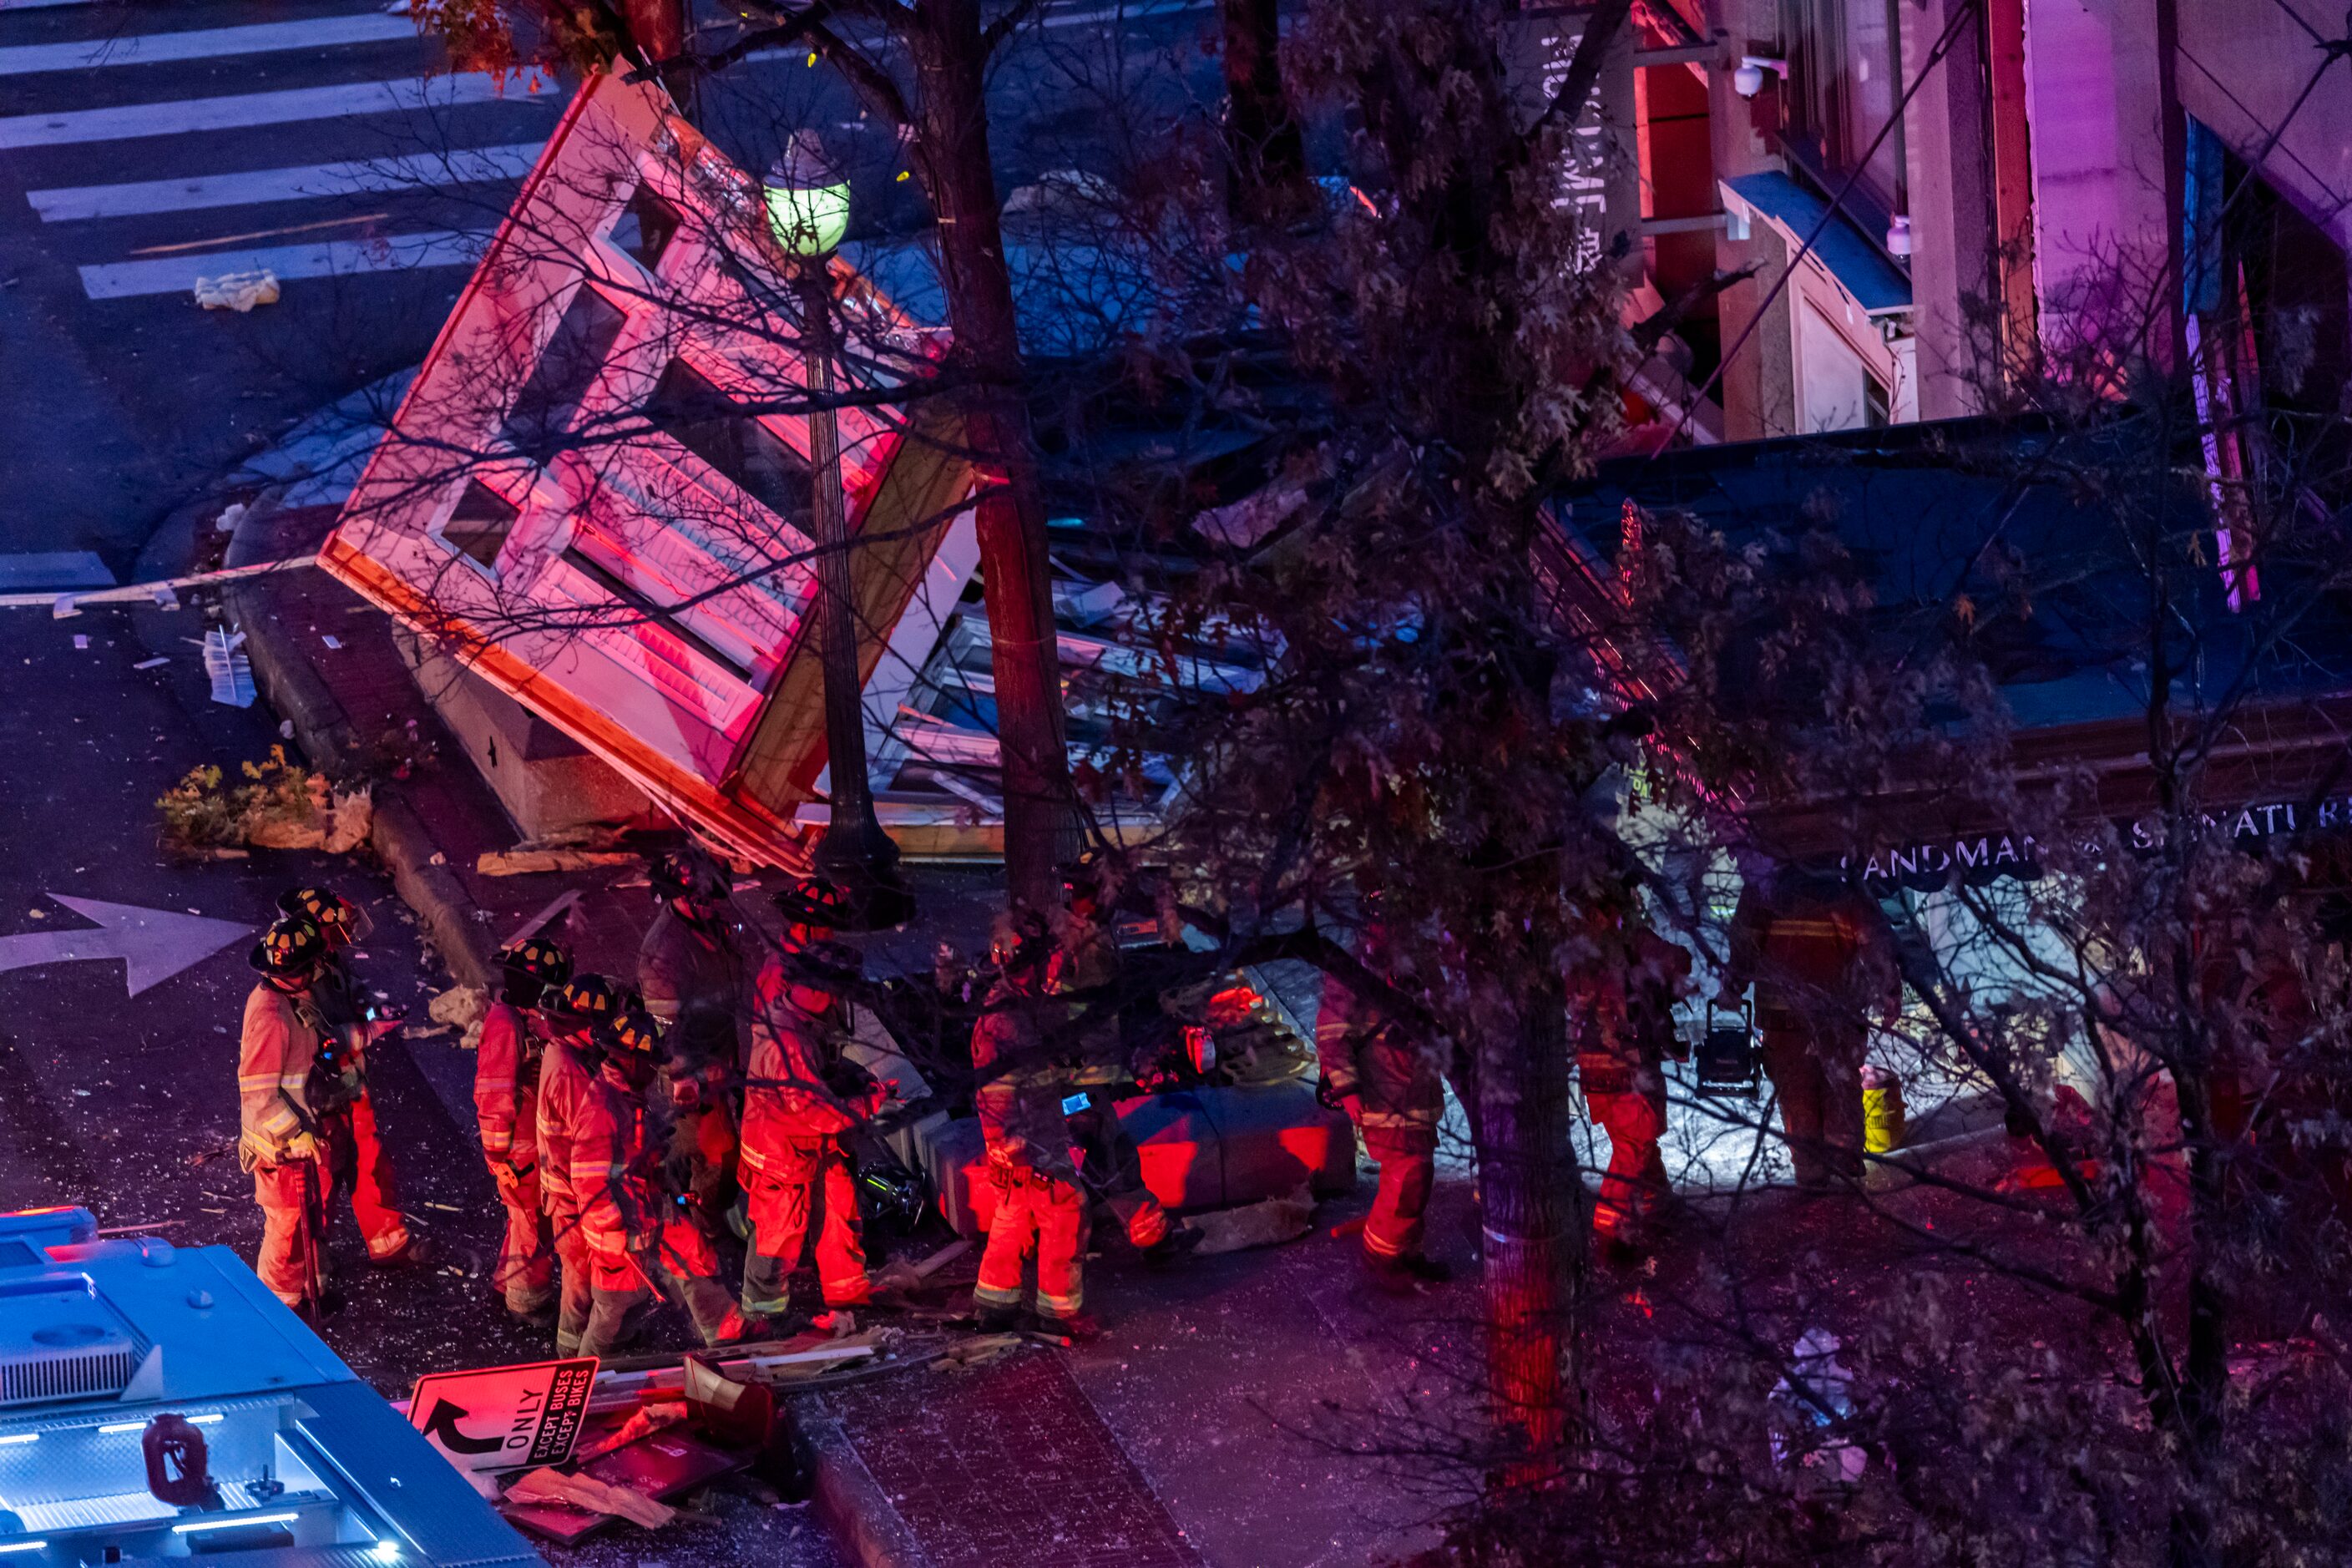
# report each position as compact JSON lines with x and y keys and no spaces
{"x":301,"y":1146}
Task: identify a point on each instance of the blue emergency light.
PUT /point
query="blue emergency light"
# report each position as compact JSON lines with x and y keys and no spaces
{"x":156,"y":1402}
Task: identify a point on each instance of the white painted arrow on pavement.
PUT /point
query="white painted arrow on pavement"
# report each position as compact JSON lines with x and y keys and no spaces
{"x":153,"y":944}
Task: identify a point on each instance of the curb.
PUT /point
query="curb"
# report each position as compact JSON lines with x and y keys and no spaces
{"x":849,"y":1502}
{"x":286,"y":680}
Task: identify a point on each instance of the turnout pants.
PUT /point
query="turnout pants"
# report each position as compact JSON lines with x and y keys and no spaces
{"x":576,"y":1287}
{"x":1635,"y":1182}
{"x":1040,"y":1215}
{"x":779,"y":1211}
{"x":1393,"y":1231}
{"x":526,"y":1265}
{"x":679,"y":1264}
{"x":295,"y":1212}
{"x":1817,"y":1075}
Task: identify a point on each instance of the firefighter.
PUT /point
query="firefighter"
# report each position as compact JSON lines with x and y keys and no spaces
{"x":1621,"y":1010}
{"x":1086,"y":966}
{"x":1374,"y":1069}
{"x":303,"y":1124}
{"x":799,"y":1099}
{"x":573,"y":1013}
{"x":507,"y":1070}
{"x":641,"y":1240}
{"x":1039,"y":1205}
{"x":691,"y":972}
{"x":1816,"y":951}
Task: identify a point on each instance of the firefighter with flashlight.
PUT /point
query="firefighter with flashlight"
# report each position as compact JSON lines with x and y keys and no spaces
{"x":305,"y":1122}
{"x":1086,"y":969}
{"x":641,"y":1241}
{"x":1040,"y":1207}
{"x":799,"y":1100}
{"x":506,"y":1068}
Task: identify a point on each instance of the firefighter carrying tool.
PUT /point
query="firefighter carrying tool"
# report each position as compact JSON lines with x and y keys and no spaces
{"x":799,"y":1101}
{"x":1039,"y":1205}
{"x":641,"y":1240}
{"x":691,"y":971}
{"x":306,"y":1124}
{"x":1372,"y":1067}
{"x":507,"y":1071}
{"x":568,"y":1065}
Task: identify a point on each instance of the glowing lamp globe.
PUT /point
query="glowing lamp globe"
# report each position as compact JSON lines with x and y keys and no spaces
{"x":808,"y":199}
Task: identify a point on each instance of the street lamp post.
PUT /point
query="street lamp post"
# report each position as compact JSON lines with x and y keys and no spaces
{"x":808,"y":209}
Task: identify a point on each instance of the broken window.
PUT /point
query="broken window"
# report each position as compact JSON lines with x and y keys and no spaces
{"x":716,"y":428}
{"x":646,"y":227}
{"x":549,"y":400}
{"x":479,"y":526}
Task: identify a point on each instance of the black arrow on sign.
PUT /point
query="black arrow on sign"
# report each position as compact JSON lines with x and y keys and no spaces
{"x":441,"y":1426}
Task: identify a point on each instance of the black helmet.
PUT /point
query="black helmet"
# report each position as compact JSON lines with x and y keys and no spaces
{"x":533,"y":965}
{"x":633,"y":1030}
{"x":586,"y":1000}
{"x":339,"y":920}
{"x":814,"y":902}
{"x":689,"y":873}
{"x":824,"y":965}
{"x":290,"y":950}
{"x":1088,"y":877}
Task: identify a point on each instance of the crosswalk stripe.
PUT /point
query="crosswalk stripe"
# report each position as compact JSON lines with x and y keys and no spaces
{"x":204,"y":43}
{"x":476,"y":165}
{"x":393,"y":253}
{"x":175,"y":116}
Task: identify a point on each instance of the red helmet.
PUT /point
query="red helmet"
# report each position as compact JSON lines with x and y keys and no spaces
{"x":815,"y":902}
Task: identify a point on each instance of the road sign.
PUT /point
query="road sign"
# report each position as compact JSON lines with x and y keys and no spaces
{"x":504,"y":1417}
{"x":153,"y":944}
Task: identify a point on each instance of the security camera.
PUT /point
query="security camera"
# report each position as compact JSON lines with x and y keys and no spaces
{"x":1748,"y":78}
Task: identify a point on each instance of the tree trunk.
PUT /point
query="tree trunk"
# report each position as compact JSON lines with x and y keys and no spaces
{"x":1040,"y":825}
{"x":1524,"y":1166}
{"x":1265,"y":156}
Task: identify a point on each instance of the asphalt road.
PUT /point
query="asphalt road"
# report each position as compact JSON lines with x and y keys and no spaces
{"x":147,"y":143}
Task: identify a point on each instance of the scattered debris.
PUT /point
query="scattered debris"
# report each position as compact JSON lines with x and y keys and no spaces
{"x":81,"y":641}
{"x":231,"y":672}
{"x":461,"y":1008}
{"x":231,"y":515}
{"x":64,"y":608}
{"x":152,"y":663}
{"x":587,"y":1492}
{"x":238,"y":291}
{"x":1268,"y":1223}
{"x":524,"y":862}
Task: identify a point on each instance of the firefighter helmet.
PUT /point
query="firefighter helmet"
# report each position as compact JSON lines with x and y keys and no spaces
{"x":1088,"y":877}
{"x":689,"y":873}
{"x":814,"y":902}
{"x":831,"y":966}
{"x":290,"y":950}
{"x":634,"y":1030}
{"x":1022,"y":942}
{"x":585,"y":1001}
{"x":533,"y":966}
{"x":340,"y":922}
